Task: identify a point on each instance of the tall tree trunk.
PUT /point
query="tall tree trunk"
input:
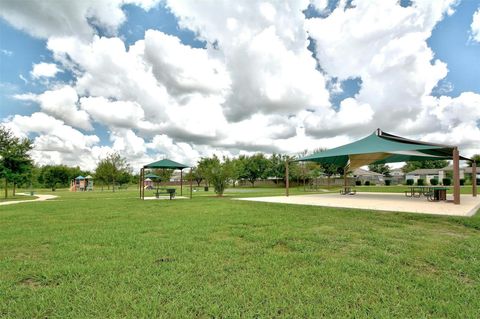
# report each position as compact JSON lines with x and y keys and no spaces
{"x":6,"y":187}
{"x":14,"y":185}
{"x":113,"y":185}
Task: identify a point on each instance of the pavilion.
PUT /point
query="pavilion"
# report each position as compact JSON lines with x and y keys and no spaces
{"x":163,"y":164}
{"x":381,"y":147}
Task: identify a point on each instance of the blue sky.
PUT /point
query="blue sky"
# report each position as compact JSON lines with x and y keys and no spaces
{"x":450,"y":42}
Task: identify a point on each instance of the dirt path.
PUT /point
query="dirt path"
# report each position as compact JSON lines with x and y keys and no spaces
{"x":39,"y":198}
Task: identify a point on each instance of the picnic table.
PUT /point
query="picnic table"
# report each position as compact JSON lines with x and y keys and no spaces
{"x":432,"y":193}
{"x":169,"y":191}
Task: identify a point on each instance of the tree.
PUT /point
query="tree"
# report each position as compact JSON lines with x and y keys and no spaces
{"x":164,"y":174}
{"x":51,"y":175}
{"x":219,"y":173}
{"x":476,"y":158}
{"x":254,"y":167}
{"x":111,"y":169}
{"x":276,"y":167}
{"x":196,"y":175}
{"x":413,"y":165}
{"x":15,"y":161}
{"x":380,"y":168}
{"x":204,"y":168}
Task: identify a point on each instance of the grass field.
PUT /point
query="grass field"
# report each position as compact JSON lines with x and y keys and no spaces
{"x":110,"y":255}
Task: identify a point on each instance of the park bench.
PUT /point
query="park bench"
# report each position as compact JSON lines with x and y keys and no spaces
{"x":169,"y":191}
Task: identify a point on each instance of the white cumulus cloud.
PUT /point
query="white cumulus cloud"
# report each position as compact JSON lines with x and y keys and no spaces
{"x":43,"y":69}
{"x":475,"y":26}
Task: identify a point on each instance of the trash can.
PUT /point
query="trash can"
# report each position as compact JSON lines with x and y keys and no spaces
{"x":32,"y":193}
{"x":206,"y":188}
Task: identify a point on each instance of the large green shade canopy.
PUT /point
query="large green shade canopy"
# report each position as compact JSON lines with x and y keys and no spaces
{"x":381,"y":148}
{"x":166,"y":163}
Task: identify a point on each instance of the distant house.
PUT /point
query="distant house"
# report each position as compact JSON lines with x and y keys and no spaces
{"x":366,"y":175}
{"x":426,"y":174}
{"x":397,"y":172}
{"x":439,"y":173}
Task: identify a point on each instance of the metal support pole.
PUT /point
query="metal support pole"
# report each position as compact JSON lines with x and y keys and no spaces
{"x":181,"y":182}
{"x":140,"y":182}
{"x":474,"y":179}
{"x":286,"y":178}
{"x":456,"y":177}
{"x":191,"y":183}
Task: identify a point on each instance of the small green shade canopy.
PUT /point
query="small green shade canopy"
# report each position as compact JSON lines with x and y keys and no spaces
{"x":80,"y":177}
{"x":89,"y":177}
{"x":381,"y":148}
{"x":166,"y":163}
{"x":151,"y":176}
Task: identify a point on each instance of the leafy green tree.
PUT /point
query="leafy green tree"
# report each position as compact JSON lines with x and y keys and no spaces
{"x":164,"y":174}
{"x":276,"y":167}
{"x":15,"y":161}
{"x":476,"y":158}
{"x":111,"y":169}
{"x":52,"y":175}
{"x":413,"y":165}
{"x":196,"y":175}
{"x":254,"y":167}
{"x":219,"y":173}
{"x":204,"y":168}
{"x":380,"y":168}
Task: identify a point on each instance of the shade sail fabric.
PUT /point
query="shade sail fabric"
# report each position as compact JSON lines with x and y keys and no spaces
{"x":381,"y":148}
{"x":166,"y":163}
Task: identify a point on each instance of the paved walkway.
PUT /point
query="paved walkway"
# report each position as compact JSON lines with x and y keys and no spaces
{"x":38,"y":199}
{"x":395,"y":202}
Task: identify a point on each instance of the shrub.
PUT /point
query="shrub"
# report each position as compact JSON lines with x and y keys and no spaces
{"x":420,"y":182}
{"x":462,"y":181}
{"x":358,"y":183}
{"x":434,"y":181}
{"x":410,"y":181}
{"x":478,"y":181}
{"x":367,"y":183}
{"x":372,"y":184}
{"x":446,"y":181}
{"x":388,"y":182}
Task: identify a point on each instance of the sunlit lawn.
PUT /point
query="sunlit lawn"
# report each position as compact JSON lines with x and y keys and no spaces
{"x":110,"y":255}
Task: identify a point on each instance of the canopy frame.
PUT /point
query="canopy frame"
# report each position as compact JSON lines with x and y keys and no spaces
{"x":381,"y":147}
{"x":164,"y":164}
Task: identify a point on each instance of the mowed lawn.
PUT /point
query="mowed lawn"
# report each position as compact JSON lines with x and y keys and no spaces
{"x":110,"y":255}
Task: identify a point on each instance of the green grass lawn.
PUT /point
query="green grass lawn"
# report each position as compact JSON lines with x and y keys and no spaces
{"x":110,"y":255}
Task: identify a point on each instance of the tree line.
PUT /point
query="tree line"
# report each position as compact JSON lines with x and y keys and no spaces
{"x":18,"y":169}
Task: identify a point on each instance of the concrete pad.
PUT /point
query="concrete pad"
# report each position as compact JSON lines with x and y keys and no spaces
{"x":164,"y":197}
{"x":394,"y":202}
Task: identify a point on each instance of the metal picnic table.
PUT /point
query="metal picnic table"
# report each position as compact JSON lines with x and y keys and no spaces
{"x":432,"y":193}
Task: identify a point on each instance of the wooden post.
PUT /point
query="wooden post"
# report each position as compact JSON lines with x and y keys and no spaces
{"x":191,"y":183}
{"x":181,"y":182}
{"x":456,"y":177}
{"x":286,"y":178}
{"x":474,"y":179}
{"x":143,"y":183}
{"x":140,"y":182}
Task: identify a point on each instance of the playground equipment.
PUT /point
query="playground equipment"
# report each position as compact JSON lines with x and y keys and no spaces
{"x":81,"y":184}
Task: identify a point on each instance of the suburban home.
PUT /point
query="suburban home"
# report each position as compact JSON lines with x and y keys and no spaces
{"x":364,"y":175}
{"x":426,"y":174}
{"x":439,"y":173}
